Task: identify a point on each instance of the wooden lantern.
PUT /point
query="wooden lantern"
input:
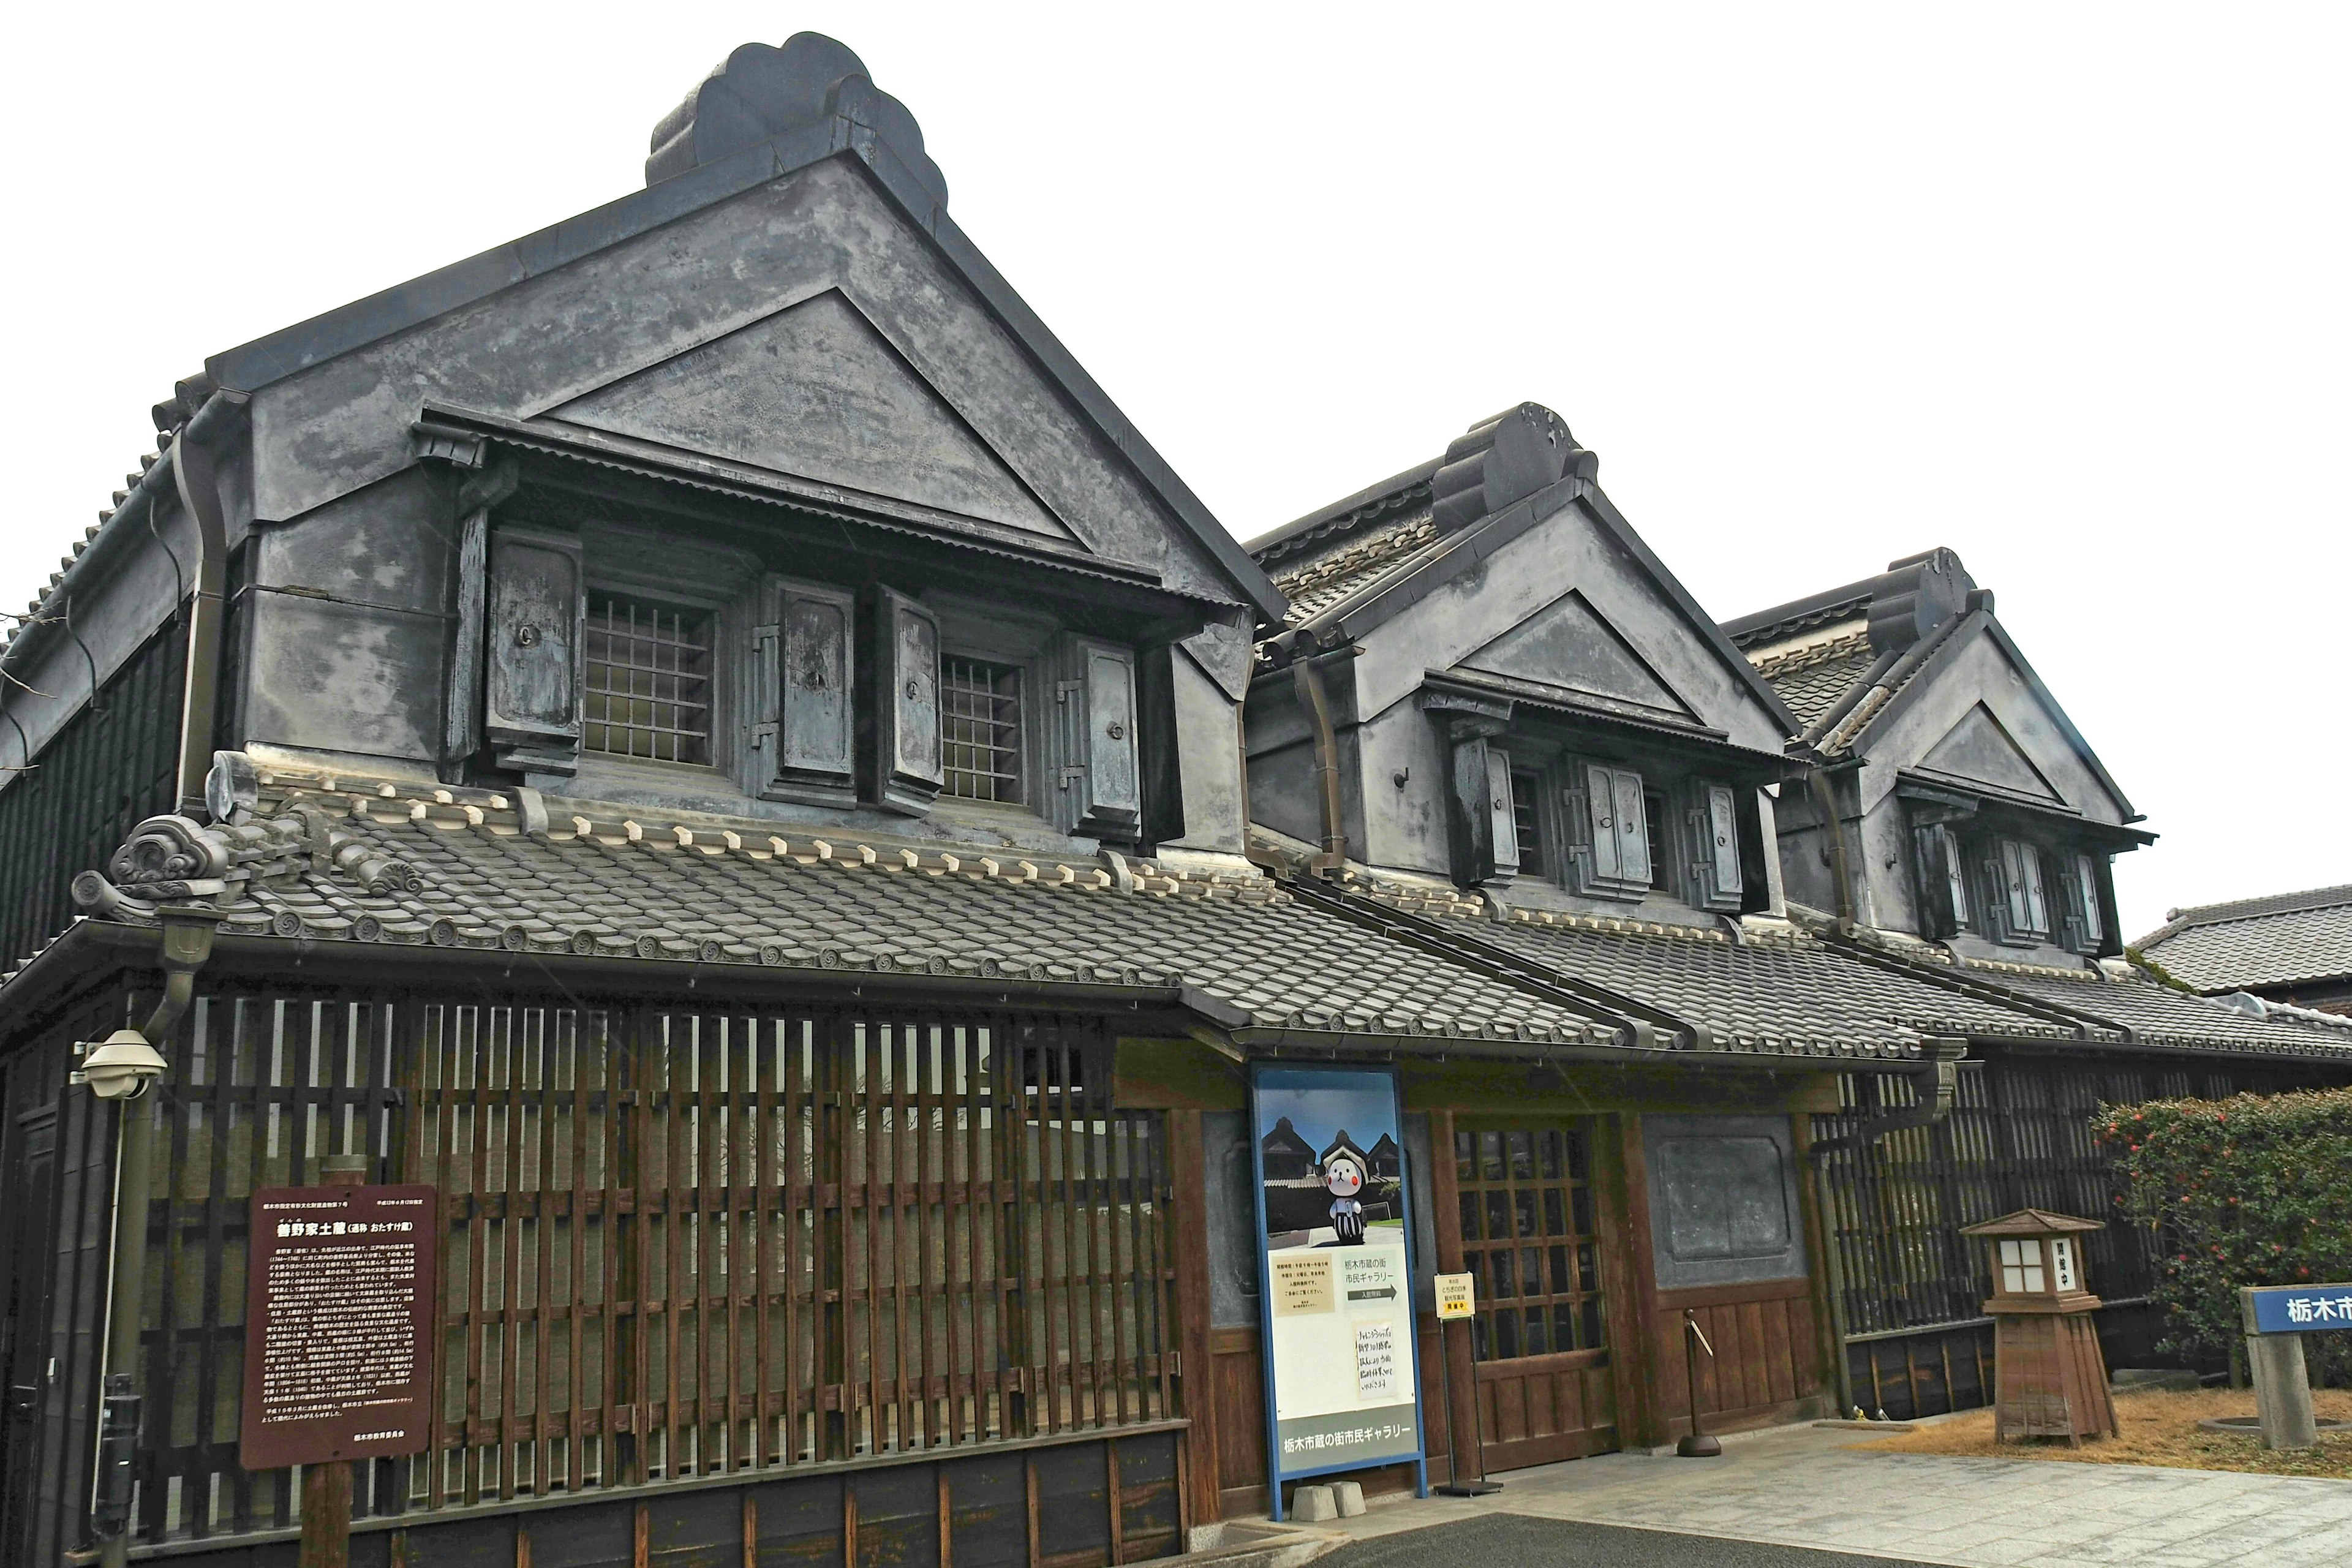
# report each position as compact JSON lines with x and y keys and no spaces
{"x":2048,"y":1378}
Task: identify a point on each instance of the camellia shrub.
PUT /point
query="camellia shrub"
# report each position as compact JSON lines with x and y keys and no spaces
{"x":2254,"y":1190}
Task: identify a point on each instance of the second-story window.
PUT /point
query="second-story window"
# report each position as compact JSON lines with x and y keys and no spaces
{"x":2021,"y":872}
{"x":1527,"y":822}
{"x":979,"y":729}
{"x":649,"y":679}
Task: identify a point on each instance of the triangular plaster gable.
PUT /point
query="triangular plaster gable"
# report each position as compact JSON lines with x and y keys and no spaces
{"x":815,"y":390}
{"x":1978,"y":747}
{"x":1569,"y":643}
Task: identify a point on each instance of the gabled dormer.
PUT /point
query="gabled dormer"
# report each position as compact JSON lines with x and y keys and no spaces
{"x":757,"y":491}
{"x":1486,"y":676}
{"x":1954,"y":799}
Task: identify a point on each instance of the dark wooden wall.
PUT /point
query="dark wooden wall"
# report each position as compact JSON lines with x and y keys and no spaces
{"x":679,"y":1247}
{"x":113,"y":765}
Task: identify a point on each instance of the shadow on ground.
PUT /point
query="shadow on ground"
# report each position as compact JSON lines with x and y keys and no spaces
{"x":1527,"y":1543}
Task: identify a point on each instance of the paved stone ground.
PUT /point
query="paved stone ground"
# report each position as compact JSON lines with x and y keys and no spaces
{"x":1519,"y":1540}
{"x":1805,"y":1487}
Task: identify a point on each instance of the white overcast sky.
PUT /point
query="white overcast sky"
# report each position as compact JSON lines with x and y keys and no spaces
{"x":2061,"y":287}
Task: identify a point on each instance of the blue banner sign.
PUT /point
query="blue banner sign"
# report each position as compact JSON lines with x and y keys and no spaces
{"x":2297,"y":1309}
{"x":1335,"y":1250}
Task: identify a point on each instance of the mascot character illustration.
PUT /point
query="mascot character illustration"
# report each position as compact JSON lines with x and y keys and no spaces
{"x":1343,"y":1178}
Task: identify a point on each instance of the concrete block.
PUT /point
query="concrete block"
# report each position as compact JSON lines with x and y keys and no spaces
{"x":1313,"y":1505}
{"x":1351,"y":1497}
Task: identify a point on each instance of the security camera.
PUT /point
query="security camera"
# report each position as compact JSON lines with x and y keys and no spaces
{"x":120,"y":1067}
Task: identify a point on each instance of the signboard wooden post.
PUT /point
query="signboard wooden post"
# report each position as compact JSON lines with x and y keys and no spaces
{"x":338,"y":1340}
{"x":2276,"y":1319}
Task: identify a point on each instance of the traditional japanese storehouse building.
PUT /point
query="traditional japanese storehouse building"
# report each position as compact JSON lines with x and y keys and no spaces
{"x":704,"y":736}
{"x":1493,"y":719}
{"x":2292,"y":950}
{"x":1952,"y":817}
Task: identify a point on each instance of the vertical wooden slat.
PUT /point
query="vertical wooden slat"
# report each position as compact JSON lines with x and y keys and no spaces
{"x":515,"y":1143}
{"x":868,"y":1201}
{"x":895,"y":1055}
{"x":1012,"y":1163}
{"x":799,"y":1033}
{"x":829,"y":1295}
{"x":677,"y":1077}
{"x":590,"y":1045}
{"x":766,"y":1211}
{"x":543,"y":1309}
{"x":1188,"y":1162}
{"x":977,"y":1221}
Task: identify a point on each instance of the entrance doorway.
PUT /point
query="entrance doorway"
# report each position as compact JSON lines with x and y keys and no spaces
{"x":1527,"y":1218}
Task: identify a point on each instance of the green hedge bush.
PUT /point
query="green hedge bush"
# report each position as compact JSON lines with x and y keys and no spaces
{"x":2252,"y":1190}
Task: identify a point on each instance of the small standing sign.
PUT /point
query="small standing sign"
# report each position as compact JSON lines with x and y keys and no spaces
{"x":1456,"y":1297}
{"x":338,"y":1325}
{"x":2276,"y":1319}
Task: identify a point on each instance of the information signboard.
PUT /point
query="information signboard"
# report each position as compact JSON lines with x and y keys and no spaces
{"x":1457,"y":1296}
{"x":1342,"y":1388}
{"x":338,"y":1325}
{"x":2297,"y":1309}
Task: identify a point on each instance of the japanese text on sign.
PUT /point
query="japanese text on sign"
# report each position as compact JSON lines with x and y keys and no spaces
{"x":1455,"y":1297}
{"x":338,"y":1326}
{"x":2297,"y":1309}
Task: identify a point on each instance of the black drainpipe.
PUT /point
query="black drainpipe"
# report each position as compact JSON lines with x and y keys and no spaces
{"x":187,"y":943}
{"x":1307,"y":672}
{"x":199,"y":488}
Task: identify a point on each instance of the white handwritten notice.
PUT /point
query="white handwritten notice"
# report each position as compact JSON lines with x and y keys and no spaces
{"x":1376,"y":1363}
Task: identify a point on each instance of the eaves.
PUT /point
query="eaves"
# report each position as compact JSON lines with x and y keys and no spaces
{"x":713,"y":476}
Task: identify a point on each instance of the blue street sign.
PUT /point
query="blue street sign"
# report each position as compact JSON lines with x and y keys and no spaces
{"x":2297,"y":1309}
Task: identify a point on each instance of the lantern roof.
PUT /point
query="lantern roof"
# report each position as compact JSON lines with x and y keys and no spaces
{"x":2031,"y":1221}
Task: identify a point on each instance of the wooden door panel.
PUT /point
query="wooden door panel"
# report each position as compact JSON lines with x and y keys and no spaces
{"x":1525,"y":1218}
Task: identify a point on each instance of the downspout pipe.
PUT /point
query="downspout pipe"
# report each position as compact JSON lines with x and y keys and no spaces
{"x":199,"y":489}
{"x":187,"y":943}
{"x":1825,"y":807}
{"x":1940,"y":1076}
{"x":1315,"y":700}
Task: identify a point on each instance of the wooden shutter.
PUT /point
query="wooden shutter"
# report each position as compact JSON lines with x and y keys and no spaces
{"x":1632,"y":829}
{"x":907,"y":702}
{"x":531,"y":686}
{"x":1715,"y":827}
{"x":1943,"y":882}
{"x":1099,"y":777}
{"x":1503,"y":824}
{"x":804,"y":736}
{"x":2087,"y":884}
{"x":1473,"y":822}
{"x":1600,"y":818}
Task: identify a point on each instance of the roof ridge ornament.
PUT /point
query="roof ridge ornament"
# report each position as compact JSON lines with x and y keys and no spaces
{"x":1504,"y":458}
{"x":762,"y":92}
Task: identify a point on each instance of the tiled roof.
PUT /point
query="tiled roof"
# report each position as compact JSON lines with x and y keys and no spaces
{"x":2281,"y":939}
{"x":2117,"y":1002}
{"x":1811,"y":672}
{"x":1781,"y":993}
{"x":2159,"y":1015}
{"x":367,"y":865}
{"x":1333,"y":577}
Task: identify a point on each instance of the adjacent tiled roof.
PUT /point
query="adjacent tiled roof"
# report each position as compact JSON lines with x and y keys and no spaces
{"x":1780,"y":992}
{"x":1316,"y":584}
{"x":2156,"y":1014}
{"x":2119,"y":1002}
{"x":2282,"y":940}
{"x":376,"y":865}
{"x":1812,"y":671}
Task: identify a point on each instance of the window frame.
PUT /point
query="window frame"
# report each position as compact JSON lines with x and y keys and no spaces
{"x":1023,"y":722}
{"x":731,"y":656}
